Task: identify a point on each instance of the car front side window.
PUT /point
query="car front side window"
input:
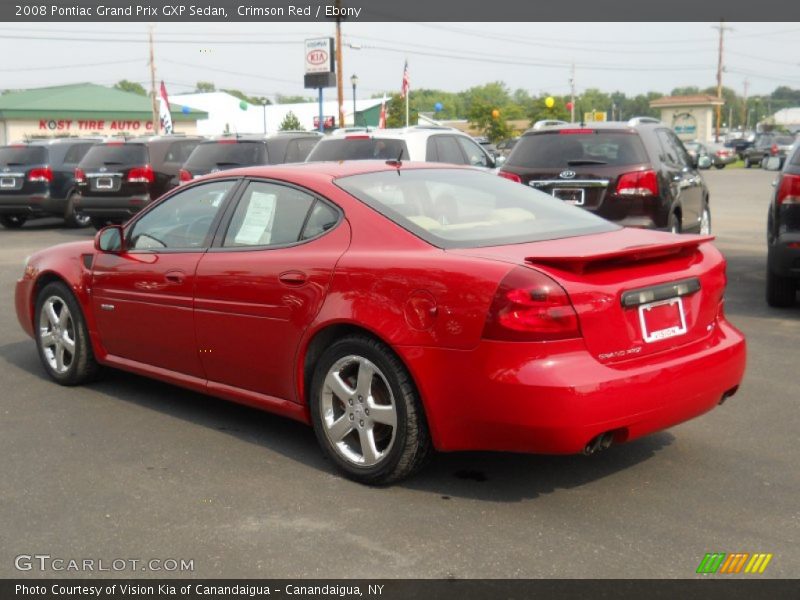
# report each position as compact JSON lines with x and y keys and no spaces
{"x":183,"y":221}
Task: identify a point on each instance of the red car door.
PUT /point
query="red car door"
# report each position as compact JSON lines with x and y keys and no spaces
{"x":142,"y":297}
{"x":258,"y":289}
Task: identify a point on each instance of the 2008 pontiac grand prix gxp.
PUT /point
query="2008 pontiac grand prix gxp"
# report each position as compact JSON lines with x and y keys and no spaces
{"x":396,"y":308}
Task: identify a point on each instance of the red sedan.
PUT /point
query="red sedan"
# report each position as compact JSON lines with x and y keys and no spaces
{"x":396,"y":308}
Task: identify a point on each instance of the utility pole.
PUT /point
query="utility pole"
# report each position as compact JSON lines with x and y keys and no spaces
{"x":572,"y":94}
{"x":153,"y":84}
{"x":339,"y":85}
{"x":722,"y":28}
{"x":744,"y":105}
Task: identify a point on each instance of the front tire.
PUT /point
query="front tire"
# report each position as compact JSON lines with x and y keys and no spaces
{"x":705,"y":220}
{"x":674,"y":223}
{"x":62,"y":338}
{"x":366,"y":412}
{"x":720,"y":165}
{"x":747,"y":163}
{"x":98,"y":223}
{"x":781,"y":291}
{"x":13,"y":221}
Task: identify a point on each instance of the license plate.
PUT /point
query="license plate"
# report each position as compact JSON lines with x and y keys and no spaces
{"x":8,"y":182}
{"x":570,"y":195}
{"x":104,"y":183}
{"x":662,"y":320}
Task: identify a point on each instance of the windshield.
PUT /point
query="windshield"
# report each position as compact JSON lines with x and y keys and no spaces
{"x":226,"y":154}
{"x":455,"y":208}
{"x":359,"y":149}
{"x":596,"y":147}
{"x":22,"y":155}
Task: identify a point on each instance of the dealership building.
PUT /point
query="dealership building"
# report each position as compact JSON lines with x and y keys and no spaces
{"x":83,"y":109}
{"x":692,"y":117}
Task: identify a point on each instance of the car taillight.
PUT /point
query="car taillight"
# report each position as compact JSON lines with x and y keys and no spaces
{"x":638,"y":183}
{"x":575,"y":131}
{"x":530,"y":307}
{"x":774,"y":150}
{"x":510,"y":176}
{"x":184,"y":176}
{"x":789,"y":190}
{"x":141,"y":175}
{"x":356,"y":137}
{"x":40,"y":174}
{"x":80,"y":176}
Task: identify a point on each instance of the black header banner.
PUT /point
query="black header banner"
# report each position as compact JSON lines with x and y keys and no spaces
{"x":394,"y":10}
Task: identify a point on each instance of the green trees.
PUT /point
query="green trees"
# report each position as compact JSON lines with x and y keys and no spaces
{"x":291,"y":122}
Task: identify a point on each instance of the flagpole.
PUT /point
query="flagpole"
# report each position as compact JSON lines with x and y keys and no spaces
{"x":408,"y":93}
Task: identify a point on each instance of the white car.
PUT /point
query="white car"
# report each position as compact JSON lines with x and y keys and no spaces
{"x":421,"y":143}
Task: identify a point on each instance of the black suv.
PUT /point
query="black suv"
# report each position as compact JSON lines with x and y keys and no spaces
{"x":637,"y":174}
{"x":118,"y":178}
{"x":783,"y":235}
{"x":231,"y":152}
{"x":37,"y":180}
{"x":766,"y":145}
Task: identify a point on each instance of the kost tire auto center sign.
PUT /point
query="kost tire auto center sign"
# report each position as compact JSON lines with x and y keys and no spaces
{"x":319,"y":55}
{"x":113,"y":125}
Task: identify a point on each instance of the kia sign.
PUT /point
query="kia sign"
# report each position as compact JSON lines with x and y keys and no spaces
{"x":319,"y":55}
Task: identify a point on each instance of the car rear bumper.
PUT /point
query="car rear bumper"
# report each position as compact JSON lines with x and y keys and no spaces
{"x":783,"y":257}
{"x":554,"y":398}
{"x":111,"y":207}
{"x":31,"y":204}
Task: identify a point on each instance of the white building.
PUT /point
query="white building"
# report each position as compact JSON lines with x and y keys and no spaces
{"x":229,"y":114}
{"x":788,"y":118}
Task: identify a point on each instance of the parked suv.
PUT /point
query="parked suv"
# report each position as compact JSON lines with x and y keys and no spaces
{"x":37,"y":179}
{"x":766,"y":145}
{"x":431,"y":144}
{"x":783,"y":235}
{"x":118,"y":178}
{"x":230,"y":152}
{"x":637,"y":174}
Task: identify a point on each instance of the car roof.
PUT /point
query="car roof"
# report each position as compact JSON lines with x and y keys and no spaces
{"x":627,"y":126}
{"x":404,"y":132}
{"x":260,"y":137}
{"x":64,"y":140}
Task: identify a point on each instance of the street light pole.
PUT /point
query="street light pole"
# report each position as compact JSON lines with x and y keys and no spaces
{"x":264,"y":102}
{"x":354,"y":81}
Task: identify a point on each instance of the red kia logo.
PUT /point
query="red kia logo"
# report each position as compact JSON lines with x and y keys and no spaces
{"x":317,"y":57}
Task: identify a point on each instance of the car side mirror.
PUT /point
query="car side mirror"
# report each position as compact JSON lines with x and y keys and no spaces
{"x":703,"y":162}
{"x":109,"y":239}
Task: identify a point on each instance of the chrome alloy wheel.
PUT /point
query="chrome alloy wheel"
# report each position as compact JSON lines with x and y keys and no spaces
{"x":358,"y":411}
{"x":57,"y":334}
{"x":705,"y":222}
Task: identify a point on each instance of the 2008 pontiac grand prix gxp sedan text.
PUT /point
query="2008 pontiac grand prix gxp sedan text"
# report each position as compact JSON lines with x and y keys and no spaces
{"x":397,"y":308}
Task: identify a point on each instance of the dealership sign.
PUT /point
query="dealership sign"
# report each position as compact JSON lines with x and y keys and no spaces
{"x":94,"y":125}
{"x":319,"y":55}
{"x":685,"y":124}
{"x":328,"y":122}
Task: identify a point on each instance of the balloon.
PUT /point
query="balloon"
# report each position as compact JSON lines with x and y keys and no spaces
{"x":186,"y":110}
{"x":243,"y":105}
{"x":438,"y":107}
{"x":549,"y":102}
{"x":495,"y":114}
{"x":569,"y":105}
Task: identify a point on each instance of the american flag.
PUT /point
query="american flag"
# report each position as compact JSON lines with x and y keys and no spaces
{"x":406,"y":82}
{"x":166,"y":116}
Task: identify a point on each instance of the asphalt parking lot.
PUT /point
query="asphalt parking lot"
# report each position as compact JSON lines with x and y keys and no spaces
{"x":135,"y":469}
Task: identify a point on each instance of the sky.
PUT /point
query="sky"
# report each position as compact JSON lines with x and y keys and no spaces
{"x":265,"y":59}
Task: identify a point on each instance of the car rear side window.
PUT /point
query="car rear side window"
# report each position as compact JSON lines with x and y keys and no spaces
{"x":227,"y":154}
{"x":447,"y":150}
{"x":179,"y":152}
{"x":463,"y":208}
{"x":268,"y":215}
{"x":558,"y":150}
{"x":22,"y":155}
{"x":297,"y":150}
{"x":358,"y":148}
{"x":76,"y":153}
{"x":115,"y":154}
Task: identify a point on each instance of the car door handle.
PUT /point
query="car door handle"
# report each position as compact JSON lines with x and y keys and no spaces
{"x":175,"y":277}
{"x":293,"y":278}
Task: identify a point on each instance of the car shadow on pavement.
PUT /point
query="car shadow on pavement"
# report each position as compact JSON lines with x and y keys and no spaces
{"x":497,"y":477}
{"x":745,"y":294}
{"x":49,"y":224}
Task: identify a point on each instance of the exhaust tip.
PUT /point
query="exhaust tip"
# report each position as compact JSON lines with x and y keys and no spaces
{"x":728,"y":394}
{"x":599,"y":442}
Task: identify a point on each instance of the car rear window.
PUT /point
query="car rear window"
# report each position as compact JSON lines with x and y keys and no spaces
{"x":297,"y":150}
{"x":784,"y":140}
{"x":227,"y":155}
{"x":358,"y":148}
{"x":115,"y":154}
{"x":23,"y":155}
{"x":557,"y":150}
{"x":456,"y":208}
{"x":76,"y":153}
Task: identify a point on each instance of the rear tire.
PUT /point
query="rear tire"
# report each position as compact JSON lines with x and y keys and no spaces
{"x":674,"y":223}
{"x":781,"y":291}
{"x":13,"y":221}
{"x":720,"y":166}
{"x":62,"y":338}
{"x":366,"y":412}
{"x":71,"y":218}
{"x":98,"y":223}
{"x":705,"y":220}
{"x":747,"y":163}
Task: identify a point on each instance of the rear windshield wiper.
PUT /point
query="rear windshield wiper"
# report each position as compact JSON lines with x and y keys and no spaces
{"x":228,"y":164}
{"x":585,"y":161}
{"x":111,"y":162}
